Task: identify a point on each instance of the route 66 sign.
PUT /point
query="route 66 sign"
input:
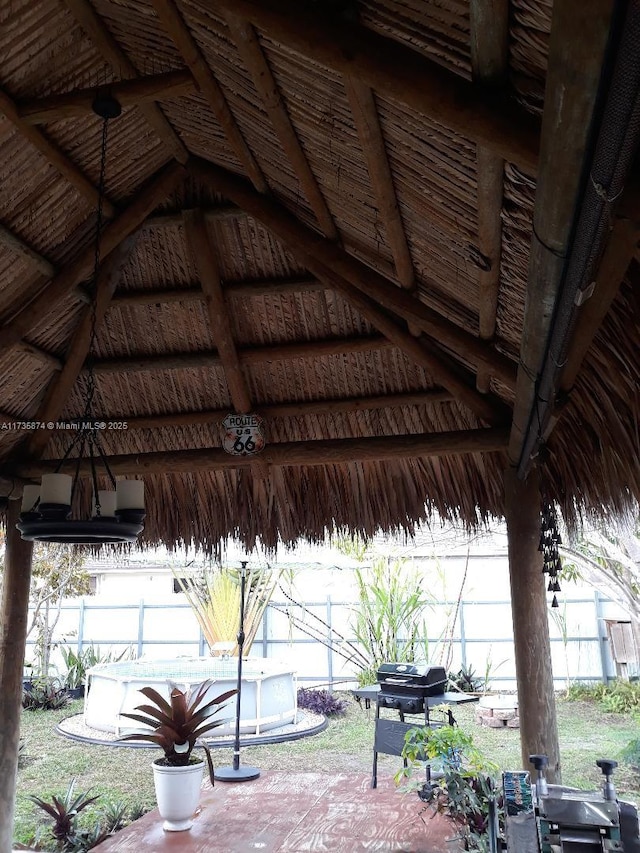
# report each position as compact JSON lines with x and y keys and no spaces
{"x":243,"y":435}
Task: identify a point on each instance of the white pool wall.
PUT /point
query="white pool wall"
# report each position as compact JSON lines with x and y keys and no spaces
{"x":268,"y":698}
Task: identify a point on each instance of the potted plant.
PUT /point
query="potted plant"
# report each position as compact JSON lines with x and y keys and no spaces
{"x":460,"y":783}
{"x":76,"y":671}
{"x":175,"y":725}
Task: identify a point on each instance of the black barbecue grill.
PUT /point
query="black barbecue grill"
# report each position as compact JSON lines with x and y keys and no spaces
{"x":405,"y":686}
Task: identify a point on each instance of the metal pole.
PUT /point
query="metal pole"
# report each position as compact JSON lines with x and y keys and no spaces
{"x":237,"y":773}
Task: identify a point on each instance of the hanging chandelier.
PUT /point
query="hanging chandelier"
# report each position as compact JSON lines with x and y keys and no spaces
{"x":117,"y":514}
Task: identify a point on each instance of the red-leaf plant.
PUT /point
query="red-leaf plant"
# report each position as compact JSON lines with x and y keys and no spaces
{"x":178,"y":723}
{"x":64,"y":812}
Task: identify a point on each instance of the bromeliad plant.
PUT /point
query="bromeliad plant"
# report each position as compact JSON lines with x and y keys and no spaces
{"x":177,"y":724}
{"x":64,"y":812}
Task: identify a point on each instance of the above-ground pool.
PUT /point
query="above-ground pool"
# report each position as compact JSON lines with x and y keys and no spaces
{"x":268,"y":691}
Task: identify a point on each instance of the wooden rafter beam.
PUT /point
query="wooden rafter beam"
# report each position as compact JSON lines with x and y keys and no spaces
{"x":40,"y":354}
{"x":295,"y":454}
{"x":241,"y":289}
{"x":204,"y":257}
{"x":129,"y":219}
{"x":17,"y":245}
{"x":246,"y":355}
{"x":422,"y":352}
{"x":136,"y":91}
{"x":577,"y":46}
{"x":53,"y":154}
{"x":180,"y":34}
{"x":365,"y":114}
{"x":292,"y":409}
{"x":256,"y":62}
{"x":60,"y":388}
{"x":620,"y":251}
{"x":218,"y":213}
{"x":320,"y":255}
{"x":489,"y":21}
{"x":399,"y":73}
{"x":83,"y":12}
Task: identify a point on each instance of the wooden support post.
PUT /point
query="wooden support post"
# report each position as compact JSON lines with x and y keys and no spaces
{"x":536,"y":701}
{"x":13,"y":635}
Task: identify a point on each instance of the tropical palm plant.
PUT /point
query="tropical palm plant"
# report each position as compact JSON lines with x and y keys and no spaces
{"x":214,"y":595}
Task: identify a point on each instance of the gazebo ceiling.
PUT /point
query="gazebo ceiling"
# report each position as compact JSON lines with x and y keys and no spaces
{"x":323,"y":213}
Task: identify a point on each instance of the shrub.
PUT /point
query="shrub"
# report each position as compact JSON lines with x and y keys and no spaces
{"x":466,"y":792}
{"x":580,"y":691}
{"x":44,"y":695}
{"x":64,"y":830}
{"x":618,"y":697}
{"x":465,"y":680}
{"x":631,"y":753}
{"x":321,"y":702}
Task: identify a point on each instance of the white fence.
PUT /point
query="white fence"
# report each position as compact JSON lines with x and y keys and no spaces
{"x":481,"y":637}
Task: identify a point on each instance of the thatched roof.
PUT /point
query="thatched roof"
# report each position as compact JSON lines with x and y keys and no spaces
{"x":322,"y":212}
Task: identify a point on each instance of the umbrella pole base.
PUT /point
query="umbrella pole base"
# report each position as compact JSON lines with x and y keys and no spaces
{"x":231,"y":774}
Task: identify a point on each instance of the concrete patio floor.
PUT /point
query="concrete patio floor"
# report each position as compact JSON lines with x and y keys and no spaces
{"x":297,"y":813}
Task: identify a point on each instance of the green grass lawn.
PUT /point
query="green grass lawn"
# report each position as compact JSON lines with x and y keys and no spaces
{"x":124,"y":774}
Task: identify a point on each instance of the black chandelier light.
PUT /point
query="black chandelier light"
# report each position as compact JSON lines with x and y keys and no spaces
{"x":117,"y":514}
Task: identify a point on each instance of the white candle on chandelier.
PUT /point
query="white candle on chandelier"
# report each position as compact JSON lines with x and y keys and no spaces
{"x":56,"y":489}
{"x":107,"y":500}
{"x":130,"y":494}
{"x":30,"y":495}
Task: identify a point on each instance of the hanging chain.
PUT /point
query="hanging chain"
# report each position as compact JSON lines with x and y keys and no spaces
{"x":90,"y":431}
{"x":90,"y":378}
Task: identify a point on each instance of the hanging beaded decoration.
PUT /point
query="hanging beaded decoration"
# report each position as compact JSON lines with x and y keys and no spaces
{"x":549,"y":541}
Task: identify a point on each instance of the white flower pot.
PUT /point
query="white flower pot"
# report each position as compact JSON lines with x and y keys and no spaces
{"x":177,"y":794}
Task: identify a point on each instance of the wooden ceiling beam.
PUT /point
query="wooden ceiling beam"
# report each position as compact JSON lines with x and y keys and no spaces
{"x":40,"y":354}
{"x":294,"y":454}
{"x":60,"y":388}
{"x":181,"y":35}
{"x":132,"y":92}
{"x":128,"y":221}
{"x":246,"y":355}
{"x":620,"y":251}
{"x":95,"y":28}
{"x":365,"y":114}
{"x":54,"y":155}
{"x":577,"y":46}
{"x":398,"y":72}
{"x":204,"y":257}
{"x":17,"y":245}
{"x":489,"y":20}
{"x":240,"y":289}
{"x":256,"y":62}
{"x":420,"y":351}
{"x":219,"y":213}
{"x":293,"y":409}
{"x":319,"y":256}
